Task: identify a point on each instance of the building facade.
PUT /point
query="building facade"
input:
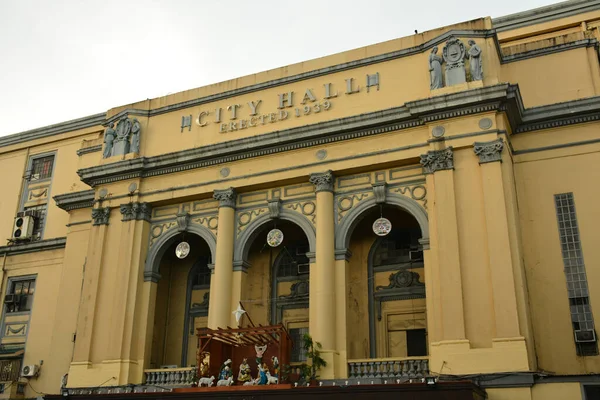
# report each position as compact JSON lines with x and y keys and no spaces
{"x":421,"y":207}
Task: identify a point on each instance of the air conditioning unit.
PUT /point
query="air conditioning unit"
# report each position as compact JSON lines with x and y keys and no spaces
{"x":23,"y":227}
{"x":585,"y":336}
{"x":29,"y":371}
{"x":11,"y":299}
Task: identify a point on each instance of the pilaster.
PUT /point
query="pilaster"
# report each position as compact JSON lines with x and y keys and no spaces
{"x":324,"y":272}
{"x":220,"y":310}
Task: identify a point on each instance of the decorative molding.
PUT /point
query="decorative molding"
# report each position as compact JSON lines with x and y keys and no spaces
{"x":241,"y":265}
{"x":40,"y":245}
{"x":183,"y":221}
{"x":136,"y":211}
{"x":306,"y":208}
{"x":226,"y":197}
{"x":402,"y":279}
{"x":274,"y":206}
{"x":157,"y":230}
{"x":416,"y":192}
{"x":489,"y":151}
{"x":323,"y":181}
{"x":380,"y":192}
{"x":485,"y":123}
{"x":346,"y":202}
{"x":90,"y":149}
{"x":343,"y":254}
{"x":75,"y":200}
{"x":245,"y":217}
{"x":437,"y":160}
{"x":298,"y":291}
{"x":100,"y":216}
{"x":544,"y":51}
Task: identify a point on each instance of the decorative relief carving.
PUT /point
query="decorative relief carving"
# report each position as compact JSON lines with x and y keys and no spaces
{"x":100,"y":215}
{"x":454,"y":55}
{"x":345,"y":203}
{"x":489,"y":151}
{"x":122,"y":140}
{"x":159,"y":229}
{"x":306,"y":208}
{"x":404,"y":285}
{"x":245,"y":217}
{"x":380,"y":192}
{"x":38,"y":194}
{"x":136,"y":211}
{"x":209,"y":221}
{"x":485,"y":123}
{"x":323,"y":181}
{"x":474,"y":54}
{"x":16,"y":329}
{"x":299,"y":290}
{"x":416,"y":192}
{"x":402,"y":279}
{"x":437,"y":160}
{"x":226,"y":197}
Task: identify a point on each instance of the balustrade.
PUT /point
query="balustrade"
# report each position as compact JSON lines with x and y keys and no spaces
{"x":170,"y":376}
{"x":417,"y":367}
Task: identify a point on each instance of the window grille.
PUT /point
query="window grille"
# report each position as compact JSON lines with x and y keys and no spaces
{"x":293,"y":262}
{"x":22,"y":291}
{"x":574,"y":268}
{"x":40,"y":220}
{"x":399,"y":247}
{"x":41,"y":168}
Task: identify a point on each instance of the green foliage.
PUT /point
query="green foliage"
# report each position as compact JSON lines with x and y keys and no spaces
{"x":307,"y":371}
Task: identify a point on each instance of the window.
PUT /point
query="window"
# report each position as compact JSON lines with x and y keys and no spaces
{"x":40,"y":219}
{"x":416,"y":342}
{"x":400,"y":247}
{"x":574,"y":268}
{"x":41,"y":168}
{"x":292,"y":262}
{"x":298,"y":352}
{"x":202,"y":275}
{"x":20,"y":295}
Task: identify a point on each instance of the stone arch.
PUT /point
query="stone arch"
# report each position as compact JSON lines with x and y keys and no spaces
{"x":243,"y":243}
{"x":344,"y":230}
{"x":164,"y":241}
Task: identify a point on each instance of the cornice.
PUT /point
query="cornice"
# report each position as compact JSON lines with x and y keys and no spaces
{"x":544,"y":14}
{"x":75,"y":200}
{"x":502,"y":97}
{"x":544,"y":51}
{"x":91,"y":149}
{"x":41,"y":245}
{"x":50,"y":130}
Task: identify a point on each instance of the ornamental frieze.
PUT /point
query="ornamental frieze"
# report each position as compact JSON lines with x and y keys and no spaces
{"x":307,"y":208}
{"x":100,"y":215}
{"x":437,"y":160}
{"x":136,"y":211}
{"x":347,"y":202}
{"x":416,"y":191}
{"x":489,"y":151}
{"x":245,"y":217}
{"x":158,"y":229}
{"x":208,"y":221}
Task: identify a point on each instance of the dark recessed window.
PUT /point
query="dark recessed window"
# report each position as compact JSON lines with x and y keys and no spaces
{"x":416,"y":343}
{"x":298,"y":352}
{"x":20,"y":295}
{"x":41,"y":168}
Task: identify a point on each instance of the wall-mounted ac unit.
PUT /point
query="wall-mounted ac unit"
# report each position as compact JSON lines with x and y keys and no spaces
{"x":29,"y":371}
{"x":585,"y":336}
{"x":11,"y":299}
{"x":23,"y":227}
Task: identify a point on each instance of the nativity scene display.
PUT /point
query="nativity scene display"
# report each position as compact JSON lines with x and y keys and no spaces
{"x":248,"y":356}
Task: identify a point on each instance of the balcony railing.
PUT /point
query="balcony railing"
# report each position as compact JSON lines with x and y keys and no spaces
{"x":413,"y":367}
{"x":170,"y":376}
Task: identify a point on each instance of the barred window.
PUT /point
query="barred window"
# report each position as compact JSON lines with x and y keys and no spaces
{"x":20,"y":295}
{"x":41,"y":168}
{"x":298,"y":352}
{"x":40,"y":219}
{"x":574,"y":268}
{"x":292,"y":262}
{"x":399,"y":247}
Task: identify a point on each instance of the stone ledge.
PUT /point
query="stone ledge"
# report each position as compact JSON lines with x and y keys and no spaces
{"x":40,"y":245}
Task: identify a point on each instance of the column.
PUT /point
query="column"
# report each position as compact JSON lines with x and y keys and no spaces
{"x":324,"y":274}
{"x":498,"y":242}
{"x":446,"y":278}
{"x":220,"y":311}
{"x":341,"y":327}
{"x":238,"y":286}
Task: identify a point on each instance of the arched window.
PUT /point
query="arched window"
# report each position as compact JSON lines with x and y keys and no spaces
{"x":291,"y":263}
{"x":201,"y":274}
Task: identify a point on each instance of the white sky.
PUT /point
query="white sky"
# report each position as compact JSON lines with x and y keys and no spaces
{"x":65,"y":59}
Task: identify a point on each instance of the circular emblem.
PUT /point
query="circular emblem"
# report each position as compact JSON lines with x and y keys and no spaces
{"x":224,"y":172}
{"x":454,"y":51}
{"x":182,"y":250}
{"x":274,"y":237}
{"x":438,"y":131}
{"x":382,"y":226}
{"x":485,"y":123}
{"x":403,"y":279}
{"x":132,"y":187}
{"x":321,"y":154}
{"x":102,"y":193}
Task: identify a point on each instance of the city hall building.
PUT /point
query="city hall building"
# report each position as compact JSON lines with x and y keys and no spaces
{"x":425,"y":208}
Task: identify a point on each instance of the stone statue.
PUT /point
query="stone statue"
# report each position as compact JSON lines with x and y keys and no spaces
{"x":435,"y":70}
{"x":135,"y":136}
{"x":474,"y":54}
{"x":225,"y":372}
{"x":244,"y":374}
{"x":109,"y":138}
{"x":454,"y":55}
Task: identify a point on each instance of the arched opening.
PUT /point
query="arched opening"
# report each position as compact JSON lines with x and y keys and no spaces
{"x":181,"y":302}
{"x":386,"y":288}
{"x":277,"y":284}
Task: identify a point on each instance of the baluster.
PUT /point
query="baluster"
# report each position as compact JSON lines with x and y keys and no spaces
{"x":418,"y":368}
{"x":191,"y":376}
{"x":426,"y":367}
{"x":404,"y":365}
{"x":385,"y":369}
{"x":411,"y":369}
{"x":351,"y":370}
{"x":371,"y":370}
{"x":364,"y":369}
{"x":377,"y":369}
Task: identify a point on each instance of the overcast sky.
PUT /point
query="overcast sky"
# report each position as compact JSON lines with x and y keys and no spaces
{"x":65,"y":59}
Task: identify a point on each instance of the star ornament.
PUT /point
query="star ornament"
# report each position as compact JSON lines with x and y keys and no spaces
{"x":238,"y":313}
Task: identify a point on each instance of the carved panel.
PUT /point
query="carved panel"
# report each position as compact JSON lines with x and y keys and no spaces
{"x":415,"y":190}
{"x":15,"y":329}
{"x":345,"y":203}
{"x":308,"y":208}
{"x":245,"y":217}
{"x":158,"y":229}
{"x":209,"y":221}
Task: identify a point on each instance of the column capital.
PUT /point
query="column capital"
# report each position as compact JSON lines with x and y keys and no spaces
{"x":437,"y":160}
{"x":323,"y":181}
{"x":489,"y":151}
{"x":136,"y":211}
{"x":226,"y":197}
{"x":100,"y":215}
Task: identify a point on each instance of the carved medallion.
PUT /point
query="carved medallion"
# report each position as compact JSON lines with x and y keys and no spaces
{"x":382,"y":226}
{"x":182,"y":250}
{"x":274,"y":237}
